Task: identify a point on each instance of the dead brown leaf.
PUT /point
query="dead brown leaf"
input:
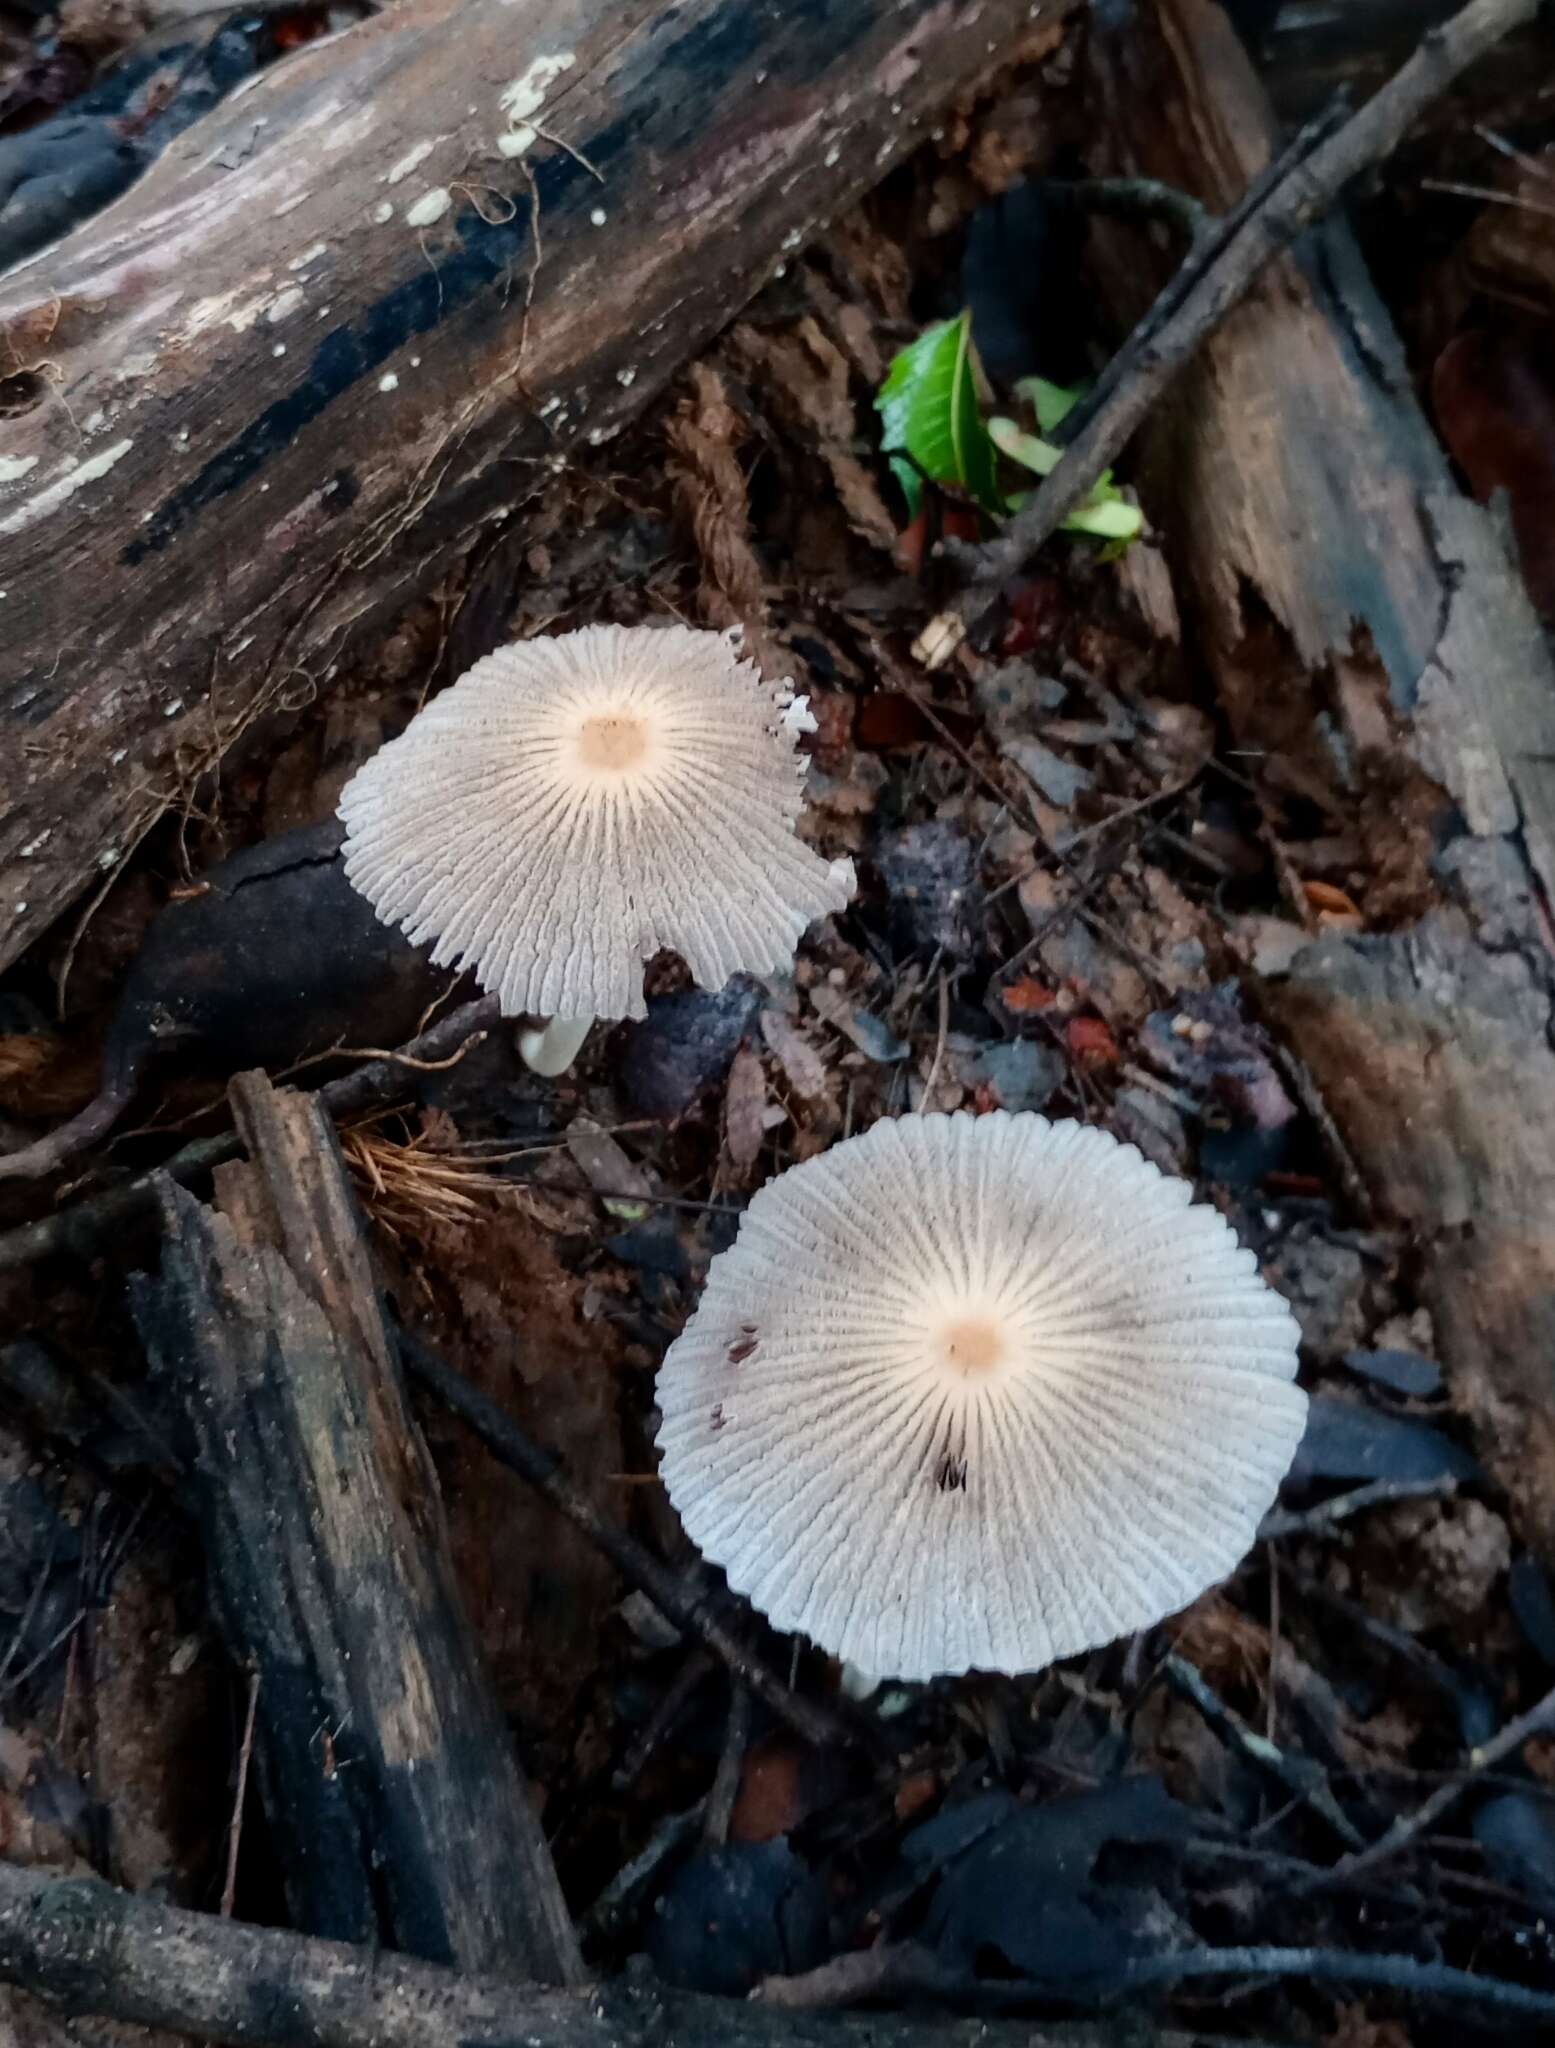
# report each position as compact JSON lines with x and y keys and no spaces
{"x":1356,"y":2030}
{"x":745,"y":1107}
{"x":802,"y":1065}
{"x":43,"y":1076}
{"x":604,"y":1164}
{"x":1334,"y":906}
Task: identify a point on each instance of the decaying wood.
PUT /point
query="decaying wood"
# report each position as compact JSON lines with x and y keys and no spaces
{"x":1221,"y":268}
{"x":360,"y":312}
{"x":94,"y":1949}
{"x":1375,"y":652}
{"x":400,"y":1811}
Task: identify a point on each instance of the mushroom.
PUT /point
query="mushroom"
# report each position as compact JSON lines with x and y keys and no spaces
{"x":573,"y":805}
{"x":978,"y":1392}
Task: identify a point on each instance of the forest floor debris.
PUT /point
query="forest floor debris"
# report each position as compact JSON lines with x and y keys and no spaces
{"x":1319,"y":1800}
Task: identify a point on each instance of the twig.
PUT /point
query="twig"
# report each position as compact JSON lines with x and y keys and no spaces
{"x":61,"y":1635}
{"x":939,"y":1042}
{"x":1272,"y":1712}
{"x":1537,"y":1721}
{"x":229,"y":1890}
{"x":671,"y":1704}
{"x":731,"y":1761}
{"x":82,"y":1228}
{"x":1209,"y":290}
{"x":395,"y":1059}
{"x":1450,"y":1682}
{"x":1129,"y":810}
{"x":1210,"y":246}
{"x":1300,"y":1776}
{"x":652,"y":1201}
{"x":1328,"y":1514}
{"x":609,"y":1913}
{"x":1488,"y":195}
{"x":1341,"y":1966}
{"x":906,"y":1968}
{"x":34,"y":1596}
{"x":1141,"y":199}
{"x":690,"y":1610}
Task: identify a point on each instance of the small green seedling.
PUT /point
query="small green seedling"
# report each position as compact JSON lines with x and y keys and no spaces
{"x":932,"y":426}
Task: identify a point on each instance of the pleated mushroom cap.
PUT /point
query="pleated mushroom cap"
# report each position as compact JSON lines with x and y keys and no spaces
{"x":573,"y":805}
{"x":978,"y":1393}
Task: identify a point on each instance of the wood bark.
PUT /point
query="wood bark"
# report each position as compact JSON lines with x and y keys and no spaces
{"x":360,"y":312}
{"x":94,"y":1949}
{"x":400,"y":1811}
{"x":1308,"y":53}
{"x":1375,"y":653}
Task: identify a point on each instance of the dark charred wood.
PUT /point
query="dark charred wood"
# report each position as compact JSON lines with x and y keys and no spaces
{"x":401,"y":1814}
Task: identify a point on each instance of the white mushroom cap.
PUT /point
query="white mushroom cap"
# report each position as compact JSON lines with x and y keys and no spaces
{"x":573,"y":805}
{"x":978,"y":1393}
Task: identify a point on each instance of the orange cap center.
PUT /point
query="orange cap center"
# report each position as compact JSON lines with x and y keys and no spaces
{"x":973,"y":1346}
{"x":613,"y":740}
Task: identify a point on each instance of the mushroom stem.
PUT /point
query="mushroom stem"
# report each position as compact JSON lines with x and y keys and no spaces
{"x":552,"y":1049}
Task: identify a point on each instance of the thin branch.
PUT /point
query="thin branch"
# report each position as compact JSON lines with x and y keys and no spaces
{"x":1317,"y":1521}
{"x":1300,"y":1776}
{"x":667,"y":1710}
{"x":1538,"y":1720}
{"x":616,"y":1904}
{"x":731,"y":1762}
{"x":1343,"y":1966}
{"x":1205,"y":251}
{"x":1145,"y":200}
{"x":1206,"y":293}
{"x":906,"y":1969}
{"x":229,"y":1889}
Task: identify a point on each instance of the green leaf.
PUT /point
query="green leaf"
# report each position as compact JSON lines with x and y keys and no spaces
{"x":1012,"y":440}
{"x":1050,"y":402}
{"x":928,"y":410}
{"x":1104,"y":513}
{"x":1109,"y":517}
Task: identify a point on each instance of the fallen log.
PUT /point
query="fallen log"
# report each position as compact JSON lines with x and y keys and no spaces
{"x":1375,"y":655}
{"x":400,"y":1812}
{"x":360,"y":312}
{"x":91,"y":1948}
